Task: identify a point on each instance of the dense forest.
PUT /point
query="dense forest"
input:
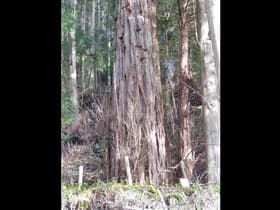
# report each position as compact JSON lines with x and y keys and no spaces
{"x":140,"y":104}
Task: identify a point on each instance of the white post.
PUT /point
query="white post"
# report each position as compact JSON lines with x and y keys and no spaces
{"x":128,"y":170}
{"x":184,"y":182}
{"x":80,"y":176}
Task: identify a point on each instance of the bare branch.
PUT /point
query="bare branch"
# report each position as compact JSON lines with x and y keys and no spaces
{"x":185,"y":156}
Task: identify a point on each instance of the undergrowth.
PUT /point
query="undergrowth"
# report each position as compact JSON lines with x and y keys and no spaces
{"x":113,"y":195}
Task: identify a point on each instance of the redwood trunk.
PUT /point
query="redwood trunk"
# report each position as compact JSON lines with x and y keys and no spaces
{"x":185,"y":76}
{"x":139,"y":128}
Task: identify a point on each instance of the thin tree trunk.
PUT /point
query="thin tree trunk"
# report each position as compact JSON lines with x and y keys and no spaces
{"x":108,"y":40}
{"x":92,"y":32}
{"x":186,"y":154}
{"x":83,"y":18}
{"x":97,"y":43}
{"x":103,"y":16}
{"x":62,"y":53}
{"x":83,"y":26}
{"x":83,"y":73}
{"x":168,"y":91}
{"x":194,"y":3}
{"x":109,"y":61}
{"x":211,"y":110}
{"x":73,"y":67}
{"x":139,"y":128}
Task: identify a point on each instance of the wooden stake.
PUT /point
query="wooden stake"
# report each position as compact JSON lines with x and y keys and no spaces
{"x":80,"y":176}
{"x":184,"y":183}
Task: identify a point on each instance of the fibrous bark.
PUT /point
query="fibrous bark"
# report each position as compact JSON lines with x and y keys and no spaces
{"x":187,"y":158}
{"x":137,"y":100}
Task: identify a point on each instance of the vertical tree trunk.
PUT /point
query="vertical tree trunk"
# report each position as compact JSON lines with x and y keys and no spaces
{"x":83,"y":73}
{"x":212,"y":8}
{"x":92,"y":32}
{"x":103,"y":14}
{"x":139,"y":129}
{"x":97,"y":42}
{"x":83,"y":18}
{"x":195,"y":6}
{"x":186,"y":154}
{"x":109,"y":60}
{"x":62,"y":53}
{"x":83,"y":56}
{"x":108,"y":40}
{"x":73,"y":67}
{"x":211,"y":104}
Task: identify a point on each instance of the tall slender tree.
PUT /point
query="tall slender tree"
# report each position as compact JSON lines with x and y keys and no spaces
{"x":187,"y":156}
{"x":211,"y":103}
{"x":212,"y":8}
{"x":91,"y":80}
{"x":73,"y":66}
{"x":83,"y":55}
{"x":137,"y":98}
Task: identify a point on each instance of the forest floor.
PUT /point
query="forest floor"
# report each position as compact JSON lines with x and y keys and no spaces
{"x":98,"y":194}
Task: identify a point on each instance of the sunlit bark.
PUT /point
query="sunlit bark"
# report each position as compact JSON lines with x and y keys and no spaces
{"x":139,"y":129}
{"x":73,"y":67}
{"x":211,"y":103}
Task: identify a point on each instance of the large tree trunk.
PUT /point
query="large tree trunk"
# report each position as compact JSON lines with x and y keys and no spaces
{"x":73,"y":67}
{"x":211,"y":103}
{"x":139,"y":128}
{"x":187,"y":157}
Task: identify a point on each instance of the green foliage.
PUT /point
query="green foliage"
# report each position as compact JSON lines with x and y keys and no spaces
{"x":217,"y":188}
{"x":67,"y":19}
{"x":65,"y":137}
{"x":84,"y":42}
{"x":178,"y":186}
{"x":152,"y":190}
{"x":196,"y":63}
{"x":66,"y":107}
{"x":177,"y":196}
{"x":66,"y":23}
{"x":85,"y":186}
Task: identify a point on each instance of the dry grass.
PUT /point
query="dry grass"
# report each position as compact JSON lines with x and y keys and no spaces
{"x":111,"y":195}
{"x":74,"y":156}
{"x":114,"y":195}
{"x":84,"y":144}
